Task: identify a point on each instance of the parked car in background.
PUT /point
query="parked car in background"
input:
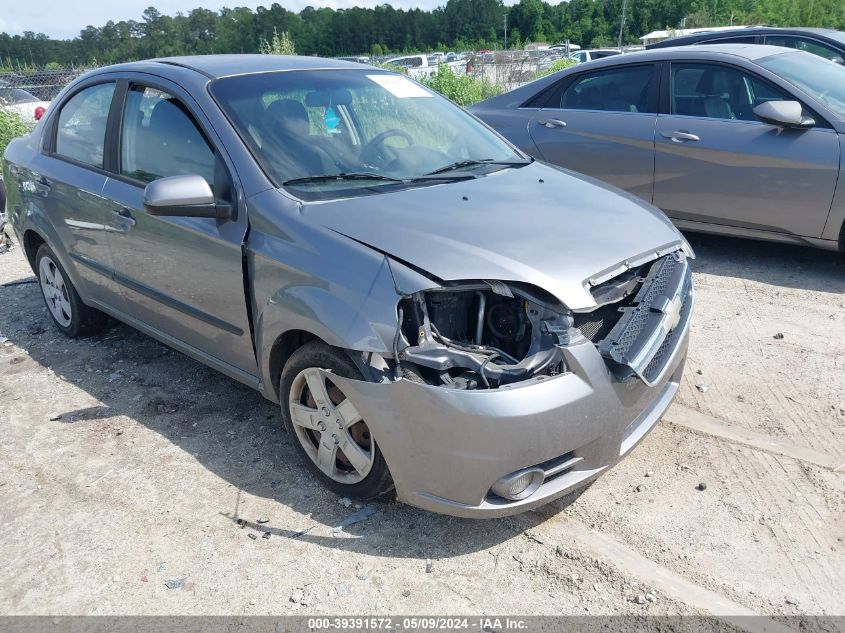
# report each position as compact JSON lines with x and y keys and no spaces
{"x":418,"y":66}
{"x":735,"y":139}
{"x":827,"y":43}
{"x":593,"y":54}
{"x":359,"y":249}
{"x":360,"y":59}
{"x":22,"y":103}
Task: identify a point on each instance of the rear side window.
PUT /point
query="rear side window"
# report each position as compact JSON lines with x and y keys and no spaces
{"x":81,"y":129}
{"x":159,"y":138}
{"x":617,"y":90}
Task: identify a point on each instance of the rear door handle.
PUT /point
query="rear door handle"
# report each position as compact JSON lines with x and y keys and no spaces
{"x":551,"y":123}
{"x":680,"y":136}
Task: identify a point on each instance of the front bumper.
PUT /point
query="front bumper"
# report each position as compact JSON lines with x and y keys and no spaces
{"x":445,"y":448}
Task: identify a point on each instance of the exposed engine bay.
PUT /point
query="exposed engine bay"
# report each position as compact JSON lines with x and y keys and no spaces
{"x":481,"y":335}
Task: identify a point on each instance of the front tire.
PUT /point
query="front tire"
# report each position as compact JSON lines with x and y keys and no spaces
{"x":71,"y":316}
{"x":326,"y":428}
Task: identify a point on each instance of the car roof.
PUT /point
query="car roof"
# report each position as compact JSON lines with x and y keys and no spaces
{"x":750,"y":52}
{"x":745,"y":30}
{"x":217,"y":66}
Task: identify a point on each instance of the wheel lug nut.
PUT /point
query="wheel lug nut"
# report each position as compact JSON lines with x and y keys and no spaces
{"x":326,"y":411}
{"x":336,"y":439}
{"x":321,"y":426}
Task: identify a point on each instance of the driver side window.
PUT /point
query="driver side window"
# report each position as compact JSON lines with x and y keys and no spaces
{"x":719,"y":92}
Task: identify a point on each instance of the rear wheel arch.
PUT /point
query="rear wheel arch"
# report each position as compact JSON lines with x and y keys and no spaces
{"x":32,"y":241}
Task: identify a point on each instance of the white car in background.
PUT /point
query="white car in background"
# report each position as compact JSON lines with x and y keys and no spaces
{"x":594,"y":53}
{"x":24,"y":104}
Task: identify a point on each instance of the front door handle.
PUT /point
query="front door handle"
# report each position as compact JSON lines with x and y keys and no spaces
{"x":124,"y":218}
{"x":552,"y":123}
{"x":680,"y":136}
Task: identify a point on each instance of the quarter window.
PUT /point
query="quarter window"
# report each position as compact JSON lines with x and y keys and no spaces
{"x":81,"y":129}
{"x":618,"y":90}
{"x":159,"y":138}
{"x":719,"y":92}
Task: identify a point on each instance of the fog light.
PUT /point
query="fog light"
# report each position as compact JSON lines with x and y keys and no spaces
{"x":519,"y":485}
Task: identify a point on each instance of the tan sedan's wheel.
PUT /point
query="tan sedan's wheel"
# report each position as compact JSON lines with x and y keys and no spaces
{"x":70,"y":315}
{"x":330,"y":433}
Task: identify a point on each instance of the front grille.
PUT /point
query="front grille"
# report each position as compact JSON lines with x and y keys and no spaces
{"x":661,"y":356}
{"x":639,"y":333}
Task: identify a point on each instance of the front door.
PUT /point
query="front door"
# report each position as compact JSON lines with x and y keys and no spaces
{"x":602,"y":124}
{"x":181,"y":276}
{"x":716,"y":162}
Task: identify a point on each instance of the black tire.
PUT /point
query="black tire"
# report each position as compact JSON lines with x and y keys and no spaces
{"x":82,"y":320}
{"x":316,"y":354}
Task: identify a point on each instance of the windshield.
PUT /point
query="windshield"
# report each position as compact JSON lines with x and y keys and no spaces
{"x":371,"y":129}
{"x":822,"y":79}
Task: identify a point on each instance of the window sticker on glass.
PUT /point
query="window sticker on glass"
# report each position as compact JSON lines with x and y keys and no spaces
{"x":399,"y":86}
{"x":332,"y":121}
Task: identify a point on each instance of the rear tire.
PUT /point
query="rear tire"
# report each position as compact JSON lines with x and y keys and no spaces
{"x":329,"y":434}
{"x":71,"y":316}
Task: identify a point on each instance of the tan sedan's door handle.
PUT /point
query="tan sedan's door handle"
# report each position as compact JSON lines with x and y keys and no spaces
{"x":680,"y":136}
{"x":550,"y":123}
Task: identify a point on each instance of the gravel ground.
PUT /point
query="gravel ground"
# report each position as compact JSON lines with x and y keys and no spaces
{"x":136,"y":481}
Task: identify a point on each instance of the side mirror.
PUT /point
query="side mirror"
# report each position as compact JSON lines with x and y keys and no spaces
{"x":185,"y":196}
{"x":784,"y":113}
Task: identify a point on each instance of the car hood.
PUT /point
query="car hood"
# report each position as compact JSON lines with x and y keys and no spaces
{"x":538,"y":224}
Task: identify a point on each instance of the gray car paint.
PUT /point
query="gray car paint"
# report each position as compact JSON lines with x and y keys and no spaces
{"x":742,"y":178}
{"x":336,"y":269}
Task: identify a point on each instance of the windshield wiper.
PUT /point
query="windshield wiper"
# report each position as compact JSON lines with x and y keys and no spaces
{"x":330,"y":177}
{"x":471,"y":162}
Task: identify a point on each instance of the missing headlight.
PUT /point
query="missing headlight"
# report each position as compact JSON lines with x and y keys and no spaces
{"x":481,"y":335}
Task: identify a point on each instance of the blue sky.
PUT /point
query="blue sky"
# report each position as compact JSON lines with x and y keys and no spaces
{"x":65,"y":18}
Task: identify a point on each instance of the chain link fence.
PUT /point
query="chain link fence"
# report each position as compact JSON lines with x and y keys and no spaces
{"x":42,"y":83}
{"x":511,"y":69}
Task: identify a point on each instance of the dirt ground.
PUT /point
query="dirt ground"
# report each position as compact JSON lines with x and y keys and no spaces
{"x":125,"y":467}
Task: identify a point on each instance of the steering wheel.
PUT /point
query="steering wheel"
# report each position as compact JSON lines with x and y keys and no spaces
{"x":374,"y":152}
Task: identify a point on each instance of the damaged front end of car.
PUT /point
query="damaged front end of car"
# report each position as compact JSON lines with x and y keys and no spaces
{"x":485,"y":334}
{"x":497,"y":397}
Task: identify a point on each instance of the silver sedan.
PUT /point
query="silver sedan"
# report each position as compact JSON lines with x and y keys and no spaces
{"x":360,"y":251}
{"x":742,"y":140}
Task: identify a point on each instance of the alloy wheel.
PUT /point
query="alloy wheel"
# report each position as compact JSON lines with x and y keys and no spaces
{"x":330,"y":429}
{"x":55,"y":291}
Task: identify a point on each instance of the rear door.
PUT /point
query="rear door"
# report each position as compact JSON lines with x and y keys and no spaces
{"x":69,"y":176}
{"x":716,"y":162}
{"x":601,"y":123}
{"x":180,"y":276}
